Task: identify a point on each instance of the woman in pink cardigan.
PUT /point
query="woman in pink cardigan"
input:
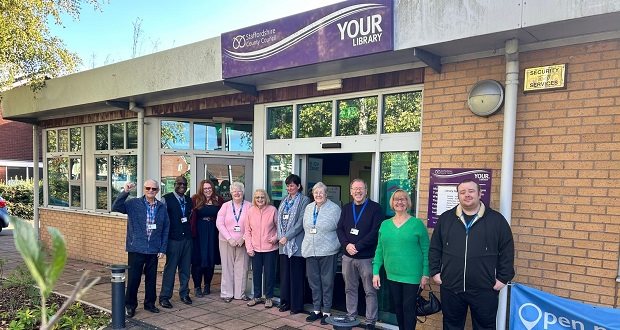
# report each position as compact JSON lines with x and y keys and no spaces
{"x":230,"y":222}
{"x":261,"y":242}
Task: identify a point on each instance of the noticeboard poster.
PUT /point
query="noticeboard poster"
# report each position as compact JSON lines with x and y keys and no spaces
{"x":443,"y":195}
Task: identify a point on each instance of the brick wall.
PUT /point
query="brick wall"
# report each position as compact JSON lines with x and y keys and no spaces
{"x":566,"y":219}
{"x":15,"y":140}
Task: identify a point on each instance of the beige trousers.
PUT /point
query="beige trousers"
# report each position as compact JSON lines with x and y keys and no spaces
{"x":235,"y":264}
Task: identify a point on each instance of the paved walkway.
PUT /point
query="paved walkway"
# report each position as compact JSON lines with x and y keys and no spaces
{"x":205,"y":313}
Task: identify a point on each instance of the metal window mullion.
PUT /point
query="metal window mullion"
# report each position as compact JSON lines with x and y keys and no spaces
{"x":334,"y":118}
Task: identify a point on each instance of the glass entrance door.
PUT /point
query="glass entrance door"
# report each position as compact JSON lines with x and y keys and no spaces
{"x":224,"y":171}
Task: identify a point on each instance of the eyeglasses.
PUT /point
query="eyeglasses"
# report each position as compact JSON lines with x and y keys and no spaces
{"x":259,"y":197}
{"x":318,"y":194}
{"x":207,"y":188}
{"x":181,"y":183}
{"x":357,"y":189}
{"x":151,"y":188}
{"x":401,"y":200}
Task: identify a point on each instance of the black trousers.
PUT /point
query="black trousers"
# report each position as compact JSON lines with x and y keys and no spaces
{"x":178,"y":256}
{"x":202,"y":275}
{"x":264,"y":263}
{"x":138,"y":264}
{"x":403,"y":298}
{"x":482,"y":303}
{"x":292,"y":277}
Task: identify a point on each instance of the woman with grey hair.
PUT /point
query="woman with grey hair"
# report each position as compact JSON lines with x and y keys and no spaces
{"x":320,"y":247}
{"x":230,"y":222}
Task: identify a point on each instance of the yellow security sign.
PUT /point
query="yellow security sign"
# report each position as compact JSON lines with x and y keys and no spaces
{"x":545,"y":77}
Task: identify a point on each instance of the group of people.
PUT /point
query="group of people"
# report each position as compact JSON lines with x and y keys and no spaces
{"x":305,"y":237}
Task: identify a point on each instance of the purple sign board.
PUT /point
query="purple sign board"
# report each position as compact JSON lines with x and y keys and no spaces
{"x":443,"y":194}
{"x":346,"y":29}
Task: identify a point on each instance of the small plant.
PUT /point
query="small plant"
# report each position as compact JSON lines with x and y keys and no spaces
{"x":2,"y":263}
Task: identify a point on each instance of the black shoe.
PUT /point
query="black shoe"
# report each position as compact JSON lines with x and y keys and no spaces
{"x":313,"y":316}
{"x":292,"y":312}
{"x":206,"y":291}
{"x":130,"y":311}
{"x":283,"y":308}
{"x":370,"y":326}
{"x":198,"y":293}
{"x":186,"y":300}
{"x":324,"y":319}
{"x":151,"y":309}
{"x":165,"y":303}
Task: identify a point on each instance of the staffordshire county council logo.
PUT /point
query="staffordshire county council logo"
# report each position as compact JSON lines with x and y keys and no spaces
{"x":529,"y":325}
{"x":238,"y":42}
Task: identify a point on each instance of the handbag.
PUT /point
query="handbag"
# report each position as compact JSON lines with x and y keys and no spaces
{"x":428,"y":306}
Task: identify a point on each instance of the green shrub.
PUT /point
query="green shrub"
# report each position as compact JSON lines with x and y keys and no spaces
{"x":19,"y":197}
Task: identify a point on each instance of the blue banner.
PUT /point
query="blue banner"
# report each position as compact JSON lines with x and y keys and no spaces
{"x":532,"y":309}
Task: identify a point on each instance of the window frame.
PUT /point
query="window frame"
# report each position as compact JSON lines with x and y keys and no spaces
{"x":68,"y":155}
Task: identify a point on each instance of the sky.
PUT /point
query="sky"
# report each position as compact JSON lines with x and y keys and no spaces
{"x":105,"y":36}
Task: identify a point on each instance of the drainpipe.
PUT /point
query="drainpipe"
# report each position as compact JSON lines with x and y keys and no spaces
{"x":35,"y":177}
{"x":508,"y":147}
{"x":140,"y":111}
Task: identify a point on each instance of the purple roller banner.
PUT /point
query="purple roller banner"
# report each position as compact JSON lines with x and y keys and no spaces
{"x":443,"y":195}
{"x":342,"y":30}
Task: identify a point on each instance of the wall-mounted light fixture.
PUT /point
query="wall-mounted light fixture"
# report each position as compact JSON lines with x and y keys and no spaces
{"x":486,"y":98}
{"x":222,"y":119}
{"x":329,"y":84}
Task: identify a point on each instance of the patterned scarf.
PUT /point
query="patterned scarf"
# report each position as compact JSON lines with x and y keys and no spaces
{"x":288,"y":206}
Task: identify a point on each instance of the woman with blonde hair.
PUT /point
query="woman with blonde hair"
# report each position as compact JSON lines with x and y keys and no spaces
{"x":402,"y":250}
{"x":261,"y":243}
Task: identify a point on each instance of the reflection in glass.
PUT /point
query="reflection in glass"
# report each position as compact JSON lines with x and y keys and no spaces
{"x":239,"y":137}
{"x":208,"y":136}
{"x":132,"y":135}
{"x":75,"y":139}
{"x":314,"y":119}
{"x":402,"y":112}
{"x":76,"y":196}
{"x":398,"y":170}
{"x":357,"y":116}
{"x":175,"y":134}
{"x":101,"y":137}
{"x":280,"y":166}
{"x":102,"y":168}
{"x":76,"y":168}
{"x":52,"y":143}
{"x":124,"y":169}
{"x":63,"y":140}
{"x":117,"y":136}
{"x":102,"y":198}
{"x":171,"y":167}
{"x":280,"y":122}
{"x":58,"y":181}
{"x":223,"y":175}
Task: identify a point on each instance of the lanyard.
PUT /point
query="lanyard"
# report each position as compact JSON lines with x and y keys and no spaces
{"x":357,"y":217}
{"x":315,"y":215}
{"x":288,"y":203}
{"x":468,"y":225}
{"x":235,"y":211}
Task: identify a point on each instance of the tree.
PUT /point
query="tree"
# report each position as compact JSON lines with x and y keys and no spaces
{"x":27,"y":49}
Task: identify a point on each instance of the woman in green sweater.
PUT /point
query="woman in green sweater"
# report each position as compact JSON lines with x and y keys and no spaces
{"x":403,"y":251}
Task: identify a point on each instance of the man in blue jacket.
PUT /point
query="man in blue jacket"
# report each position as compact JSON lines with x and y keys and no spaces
{"x":146,"y":241}
{"x":472,"y":257}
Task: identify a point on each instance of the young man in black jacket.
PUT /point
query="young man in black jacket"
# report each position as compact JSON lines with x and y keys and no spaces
{"x":472,"y":257}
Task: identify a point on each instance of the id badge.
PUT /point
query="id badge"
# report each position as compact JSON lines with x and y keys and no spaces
{"x":237,"y":229}
{"x":285,"y":216}
{"x":355,"y":231}
{"x":183,"y":219}
{"x":151,"y":226}
{"x":312,"y":230}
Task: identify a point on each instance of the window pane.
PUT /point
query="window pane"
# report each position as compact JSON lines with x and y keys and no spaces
{"x":239,"y":137}
{"x":132,"y":135}
{"x":208,"y":136}
{"x":124,"y":169}
{"x":117,"y":136}
{"x":76,"y":196}
{"x":402,"y":112}
{"x":102,"y":198}
{"x":17,"y":173}
{"x":63,"y":140}
{"x":76,"y":168}
{"x":75,"y":136}
{"x":398,"y":170}
{"x":280,"y":122}
{"x":101,"y":137}
{"x":357,"y":116}
{"x":280,"y":166}
{"x":58,"y":181}
{"x":171,"y":167}
{"x":174,"y":135}
{"x":52,"y":144}
{"x":314,"y":119}
{"x":102,"y":168}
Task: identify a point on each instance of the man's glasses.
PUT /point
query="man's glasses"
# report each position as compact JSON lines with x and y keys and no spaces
{"x":151,"y":188}
{"x":181,"y":183}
